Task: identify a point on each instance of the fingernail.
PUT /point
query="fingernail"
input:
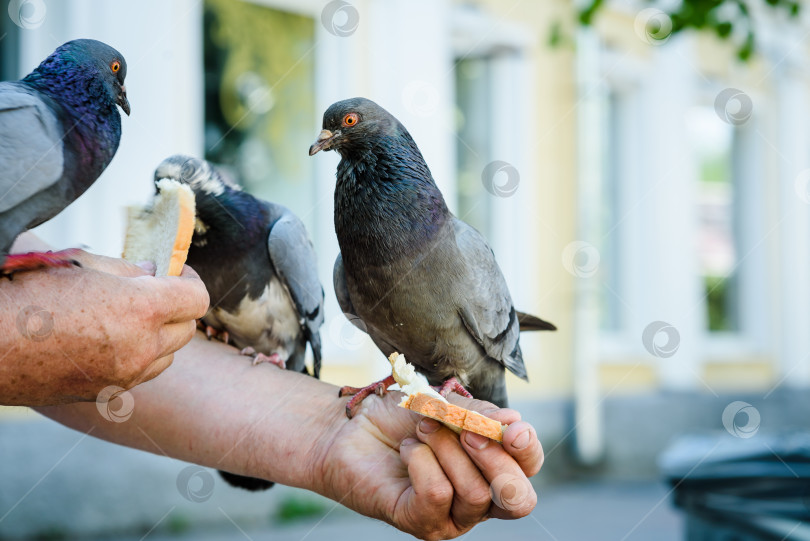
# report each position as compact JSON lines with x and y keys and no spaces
{"x":522,"y":441}
{"x":427,"y":426}
{"x":408,"y":441}
{"x":148,"y":266}
{"x":476,"y":441}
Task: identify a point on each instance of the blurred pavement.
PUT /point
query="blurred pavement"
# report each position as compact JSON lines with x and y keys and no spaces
{"x":607,"y":511}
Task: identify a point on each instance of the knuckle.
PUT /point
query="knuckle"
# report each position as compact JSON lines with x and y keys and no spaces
{"x":143,"y":306}
{"x":126,"y":371}
{"x":479,"y":497}
{"x":439,"y":493}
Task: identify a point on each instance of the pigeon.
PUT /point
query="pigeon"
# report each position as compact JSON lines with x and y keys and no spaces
{"x":260,"y":269}
{"x":417,"y":279}
{"x":59,"y":129}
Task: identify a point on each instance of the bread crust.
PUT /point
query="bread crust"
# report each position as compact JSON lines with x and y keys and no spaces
{"x":454,"y":417}
{"x":185,"y":230}
{"x":162,"y":232}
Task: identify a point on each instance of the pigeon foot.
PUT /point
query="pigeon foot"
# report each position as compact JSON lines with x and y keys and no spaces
{"x":259,"y":358}
{"x":211,"y":332}
{"x":453,"y":386}
{"x":359,"y":394}
{"x":38,"y":260}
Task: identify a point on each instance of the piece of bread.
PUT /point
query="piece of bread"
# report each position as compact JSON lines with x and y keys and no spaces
{"x":423,"y":399}
{"x":454,"y":417}
{"x":162,"y":232}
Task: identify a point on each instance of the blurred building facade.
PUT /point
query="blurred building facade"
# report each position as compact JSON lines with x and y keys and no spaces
{"x":649,"y":196}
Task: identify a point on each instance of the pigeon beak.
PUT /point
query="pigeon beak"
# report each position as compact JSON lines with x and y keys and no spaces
{"x":122,"y":99}
{"x":323,"y":141}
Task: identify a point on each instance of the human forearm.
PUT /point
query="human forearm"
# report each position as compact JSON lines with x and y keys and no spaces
{"x":214,"y":408}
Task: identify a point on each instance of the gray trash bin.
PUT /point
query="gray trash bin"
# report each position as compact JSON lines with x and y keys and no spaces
{"x":736,"y":489}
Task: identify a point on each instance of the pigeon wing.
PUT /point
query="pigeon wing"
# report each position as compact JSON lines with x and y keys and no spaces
{"x":294,"y":260}
{"x":487,"y":309}
{"x":31,"y":158}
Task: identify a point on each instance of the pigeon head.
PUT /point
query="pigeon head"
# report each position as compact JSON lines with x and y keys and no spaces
{"x":200,"y":175}
{"x":355,"y":126}
{"x":75,"y":64}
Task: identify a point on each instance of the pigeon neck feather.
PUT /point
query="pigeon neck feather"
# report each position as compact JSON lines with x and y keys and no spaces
{"x":387,"y":205}
{"x":88,"y":113}
{"x":230,"y":221}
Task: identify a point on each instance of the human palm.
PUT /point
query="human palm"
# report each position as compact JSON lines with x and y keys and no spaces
{"x":384,"y":464}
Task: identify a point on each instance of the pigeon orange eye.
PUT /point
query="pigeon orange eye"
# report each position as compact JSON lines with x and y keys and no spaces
{"x":351,"y":119}
{"x":115,"y":66}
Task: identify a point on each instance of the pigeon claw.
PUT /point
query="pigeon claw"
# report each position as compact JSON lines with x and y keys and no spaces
{"x":452,"y":385}
{"x":38,"y":260}
{"x":211,"y":332}
{"x":359,"y":394}
{"x":259,"y":358}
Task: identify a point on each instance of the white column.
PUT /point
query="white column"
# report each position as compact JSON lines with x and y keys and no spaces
{"x":670,"y":277}
{"x":794,"y":229}
{"x":588,"y":411}
{"x":162,"y":43}
{"x":410,"y":73}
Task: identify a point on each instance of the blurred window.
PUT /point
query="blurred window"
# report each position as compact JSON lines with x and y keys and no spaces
{"x":9,"y":49}
{"x":474,"y":146}
{"x":713,"y":144}
{"x":259,"y":99}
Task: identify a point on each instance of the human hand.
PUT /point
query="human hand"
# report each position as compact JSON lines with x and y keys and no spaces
{"x":67,"y":333}
{"x":417,"y":475}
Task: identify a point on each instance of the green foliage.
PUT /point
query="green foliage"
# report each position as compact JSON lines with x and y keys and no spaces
{"x":727,"y":19}
{"x":259,"y":71}
{"x":178,"y":524}
{"x":717,"y":303}
{"x":295,"y":508}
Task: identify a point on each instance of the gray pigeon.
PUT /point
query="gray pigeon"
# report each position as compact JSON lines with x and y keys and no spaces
{"x":59,"y":129}
{"x":416,"y":278}
{"x":260,"y":269}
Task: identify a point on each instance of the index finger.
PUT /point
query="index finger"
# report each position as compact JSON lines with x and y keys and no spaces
{"x":512,"y":494}
{"x":519,"y":438}
{"x":181,"y":298}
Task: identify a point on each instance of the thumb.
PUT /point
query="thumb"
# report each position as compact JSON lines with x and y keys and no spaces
{"x":113,"y":265}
